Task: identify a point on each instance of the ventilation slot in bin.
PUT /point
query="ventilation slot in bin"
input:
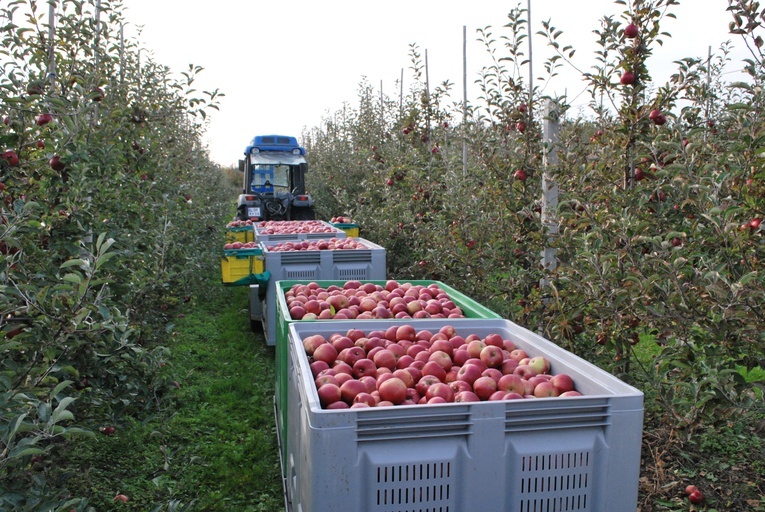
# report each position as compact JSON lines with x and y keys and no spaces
{"x":425,"y":487}
{"x":556,"y":482}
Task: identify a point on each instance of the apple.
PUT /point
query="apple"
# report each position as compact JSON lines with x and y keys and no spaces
{"x":524,"y":371}
{"x":325,"y":352}
{"x":508,"y":366}
{"x":562,"y":382}
{"x":329,"y":393}
{"x":511,"y":383}
{"x":469,"y":373}
{"x":364,"y":400}
{"x":435,"y":369}
{"x":338,"y":405}
{"x":108,"y":430}
{"x":43,"y":119}
{"x":690,"y":489}
{"x":325,"y":378}
{"x":56,"y":164}
{"x":442,"y":359}
{"x":755,"y":223}
{"x":318,"y":366}
{"x":466,"y":396}
{"x":539,"y":364}
{"x":350,"y":388}
{"x":384,"y":358}
{"x":122,"y":498}
{"x":494,"y":340}
{"x":364,"y":367}
{"x":492,"y":356}
{"x":628,"y":78}
{"x":570,"y":393}
{"x":518,"y":354}
{"x":405,"y":375}
{"x":483,"y":387}
{"x":11,"y":157}
{"x":441,"y":390}
{"x":545,"y":389}
{"x":475,"y":347}
{"x":520,"y":175}
{"x":424,"y":383}
{"x":520,"y":126}
{"x":493,"y":373}
{"x":696,"y":497}
{"x":631,"y":31}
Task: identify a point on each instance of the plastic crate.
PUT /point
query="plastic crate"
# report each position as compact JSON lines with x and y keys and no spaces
{"x":241,"y":266}
{"x":332,"y":231}
{"x":546,"y":454}
{"x":353,"y":264}
{"x":351,"y":229}
{"x":242,"y":234}
{"x":470,"y":308}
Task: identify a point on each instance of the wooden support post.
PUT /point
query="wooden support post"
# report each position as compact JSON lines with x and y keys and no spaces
{"x":551,"y":127}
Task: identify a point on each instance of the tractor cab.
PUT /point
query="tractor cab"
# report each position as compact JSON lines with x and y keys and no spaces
{"x":274,"y":169}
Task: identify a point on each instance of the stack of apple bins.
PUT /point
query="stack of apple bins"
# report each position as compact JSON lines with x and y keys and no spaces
{"x":469,"y":309}
{"x":276,"y":231}
{"x":573,"y":453}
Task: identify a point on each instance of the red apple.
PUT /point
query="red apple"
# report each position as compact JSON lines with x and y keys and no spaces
{"x":631,"y":31}
{"x":520,"y":175}
{"x":11,"y":157}
{"x":43,"y":119}
{"x":492,"y":356}
{"x":628,"y":78}
{"x":469,"y":373}
{"x":364,"y":367}
{"x":483,"y":387}
{"x":511,"y":383}
{"x":440,"y":390}
{"x":325,"y":352}
{"x":466,"y":396}
{"x":329,"y":393}
{"x":562,"y":382}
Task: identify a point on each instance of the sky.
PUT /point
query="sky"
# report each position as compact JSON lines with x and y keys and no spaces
{"x":283,"y":70}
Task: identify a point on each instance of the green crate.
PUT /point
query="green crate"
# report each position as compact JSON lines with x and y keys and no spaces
{"x":470,"y":308}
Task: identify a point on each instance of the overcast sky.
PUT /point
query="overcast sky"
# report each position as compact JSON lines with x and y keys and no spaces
{"x":284,"y":68}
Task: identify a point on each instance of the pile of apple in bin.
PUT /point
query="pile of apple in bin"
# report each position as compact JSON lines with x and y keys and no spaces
{"x":330,"y":244}
{"x":405,"y":366}
{"x":240,"y":245}
{"x":280,"y":227}
{"x":369,"y":301}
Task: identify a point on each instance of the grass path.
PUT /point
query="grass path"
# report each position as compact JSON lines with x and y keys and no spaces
{"x":214,"y":448}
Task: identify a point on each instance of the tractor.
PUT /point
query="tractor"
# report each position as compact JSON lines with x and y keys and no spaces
{"x":274,"y":169}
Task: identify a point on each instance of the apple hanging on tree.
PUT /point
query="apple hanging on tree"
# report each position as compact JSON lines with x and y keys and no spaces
{"x":631,"y":31}
{"x":520,"y":175}
{"x":628,"y":78}
{"x":11,"y":157}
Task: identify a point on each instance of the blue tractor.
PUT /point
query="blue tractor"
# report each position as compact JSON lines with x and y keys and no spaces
{"x":274,"y":169}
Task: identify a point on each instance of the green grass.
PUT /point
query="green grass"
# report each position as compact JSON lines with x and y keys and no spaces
{"x":214,"y":447}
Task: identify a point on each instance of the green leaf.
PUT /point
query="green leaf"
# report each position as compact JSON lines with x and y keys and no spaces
{"x":61,"y":414}
{"x":73,"y":278}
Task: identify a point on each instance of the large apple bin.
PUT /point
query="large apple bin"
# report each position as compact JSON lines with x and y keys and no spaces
{"x":547,"y":454}
{"x":469,"y":307}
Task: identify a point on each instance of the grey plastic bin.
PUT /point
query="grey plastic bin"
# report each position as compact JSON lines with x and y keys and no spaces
{"x":547,"y":454}
{"x":347,"y":265}
{"x":331,"y":231}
